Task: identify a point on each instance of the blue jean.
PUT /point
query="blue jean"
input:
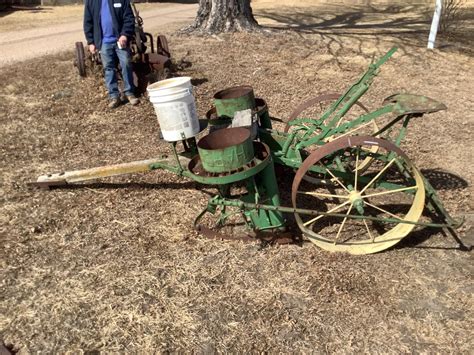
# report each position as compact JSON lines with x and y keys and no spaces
{"x":109,"y":54}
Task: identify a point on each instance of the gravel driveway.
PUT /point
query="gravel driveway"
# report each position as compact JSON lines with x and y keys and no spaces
{"x":29,"y":43}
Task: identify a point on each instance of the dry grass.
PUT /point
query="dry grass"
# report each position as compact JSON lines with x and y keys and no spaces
{"x":117,"y":266}
{"x":31,"y":17}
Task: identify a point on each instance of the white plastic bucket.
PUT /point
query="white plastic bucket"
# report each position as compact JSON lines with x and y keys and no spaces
{"x":175,"y":108}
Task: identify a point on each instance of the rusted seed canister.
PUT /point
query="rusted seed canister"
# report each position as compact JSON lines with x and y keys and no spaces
{"x":262,"y":112}
{"x":215,"y":123}
{"x":226,"y":150}
{"x":231,"y":100}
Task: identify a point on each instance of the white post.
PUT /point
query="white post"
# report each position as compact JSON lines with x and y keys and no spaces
{"x":434,"y":24}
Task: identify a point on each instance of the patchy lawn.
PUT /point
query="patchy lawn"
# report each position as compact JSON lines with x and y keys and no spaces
{"x":117,"y":265}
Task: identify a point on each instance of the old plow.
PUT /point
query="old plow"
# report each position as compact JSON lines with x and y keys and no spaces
{"x":150,"y":62}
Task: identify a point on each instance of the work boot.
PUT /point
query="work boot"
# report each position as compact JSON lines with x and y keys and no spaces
{"x":133,"y":100}
{"x":115,"y":102}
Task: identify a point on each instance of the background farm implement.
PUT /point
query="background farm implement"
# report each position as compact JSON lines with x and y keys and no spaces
{"x":150,"y":62}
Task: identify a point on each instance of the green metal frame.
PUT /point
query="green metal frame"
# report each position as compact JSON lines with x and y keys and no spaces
{"x":290,"y":150}
{"x":260,"y":207}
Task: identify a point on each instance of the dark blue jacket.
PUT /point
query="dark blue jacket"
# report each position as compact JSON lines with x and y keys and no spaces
{"x":122,"y":18}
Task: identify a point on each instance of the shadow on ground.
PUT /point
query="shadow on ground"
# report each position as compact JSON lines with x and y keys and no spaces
{"x":391,"y":19}
{"x":8,"y":10}
{"x":406,"y":25}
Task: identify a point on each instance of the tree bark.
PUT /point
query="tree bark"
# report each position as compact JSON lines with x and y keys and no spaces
{"x":216,"y":16}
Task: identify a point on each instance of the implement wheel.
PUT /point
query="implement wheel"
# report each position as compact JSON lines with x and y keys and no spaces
{"x":162,"y":46}
{"x":361,"y":212}
{"x":328,"y":97}
{"x":80,"y":59}
{"x":323,"y":101}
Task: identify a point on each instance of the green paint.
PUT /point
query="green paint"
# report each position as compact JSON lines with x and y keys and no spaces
{"x":263,"y":188}
{"x":227,"y":159}
{"x":261,"y":206}
{"x":231,"y":100}
{"x":226,"y":150}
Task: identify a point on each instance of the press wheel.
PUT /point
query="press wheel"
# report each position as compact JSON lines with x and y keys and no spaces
{"x":360,"y":212}
{"x":80,"y":59}
{"x":315,"y":101}
{"x":328,"y":98}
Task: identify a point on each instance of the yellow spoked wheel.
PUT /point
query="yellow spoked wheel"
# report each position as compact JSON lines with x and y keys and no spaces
{"x":360,"y":211}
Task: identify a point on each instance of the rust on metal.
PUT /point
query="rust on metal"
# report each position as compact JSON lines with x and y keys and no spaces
{"x":224,"y":138}
{"x":226,"y":150}
{"x":215,"y":122}
{"x":330,"y":96}
{"x":80,"y":60}
{"x":212,"y":113}
{"x":158,"y":61}
{"x":412,"y":104}
{"x":162,"y":46}
{"x":260,"y":104}
{"x":234,"y":92}
{"x":232,"y":100}
{"x":195,"y":167}
{"x":335,"y":145}
{"x":261,"y":153}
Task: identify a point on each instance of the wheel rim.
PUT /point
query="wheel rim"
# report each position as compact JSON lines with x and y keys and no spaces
{"x":162,"y":46}
{"x":80,"y":59}
{"x":329,"y":97}
{"x":357,"y":205}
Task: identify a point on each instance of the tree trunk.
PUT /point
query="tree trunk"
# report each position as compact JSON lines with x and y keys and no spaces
{"x":216,"y":16}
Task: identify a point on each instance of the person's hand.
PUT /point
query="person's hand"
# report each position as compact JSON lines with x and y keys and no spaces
{"x":123,"y":41}
{"x":92,"y":48}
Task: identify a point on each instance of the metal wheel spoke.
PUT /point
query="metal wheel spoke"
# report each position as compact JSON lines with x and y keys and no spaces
{"x":356,"y":170}
{"x":378,"y":175}
{"x":330,"y":138}
{"x":371,"y":228}
{"x":319,"y":194}
{"x":342,"y":224}
{"x":335,"y":178}
{"x":368,"y":231}
{"x":382,"y":210}
{"x":390,"y":191}
{"x":356,"y":129}
{"x":330,"y":211}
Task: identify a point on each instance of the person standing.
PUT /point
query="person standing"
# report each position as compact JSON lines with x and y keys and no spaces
{"x":108,"y":26}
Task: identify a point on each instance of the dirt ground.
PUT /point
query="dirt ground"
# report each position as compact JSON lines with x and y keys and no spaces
{"x":40,"y":16}
{"x":117,"y":265}
{"x":35,"y":31}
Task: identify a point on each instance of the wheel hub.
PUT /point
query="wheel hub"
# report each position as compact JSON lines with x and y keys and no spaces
{"x":356,"y":200}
